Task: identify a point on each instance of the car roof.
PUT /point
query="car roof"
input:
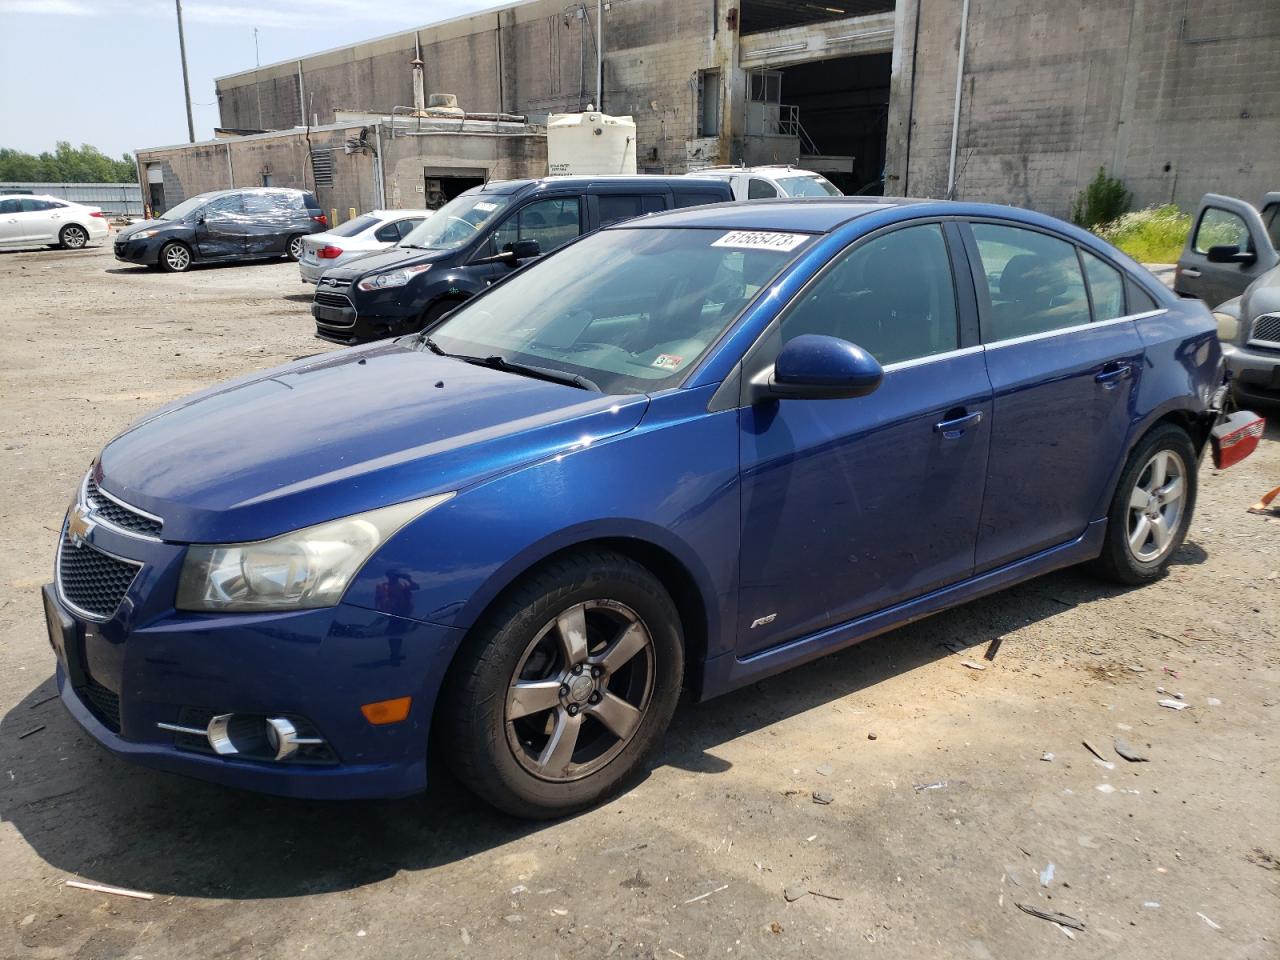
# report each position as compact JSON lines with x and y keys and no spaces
{"x":767,"y":168}
{"x":806,"y":215}
{"x":615,"y":179}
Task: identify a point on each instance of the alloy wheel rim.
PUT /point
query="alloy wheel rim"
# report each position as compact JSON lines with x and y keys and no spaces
{"x":295,"y":248}
{"x":580,"y":691}
{"x":177,"y":258}
{"x":75,"y":237}
{"x":1155,"y":506}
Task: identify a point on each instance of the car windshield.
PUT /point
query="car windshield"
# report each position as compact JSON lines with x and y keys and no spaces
{"x":813,"y":186}
{"x":457,"y":221}
{"x":357,"y":225}
{"x":184,"y":208}
{"x":630,"y":310}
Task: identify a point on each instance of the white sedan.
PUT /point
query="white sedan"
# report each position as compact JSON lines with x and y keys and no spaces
{"x":28,"y":220}
{"x":375,"y":230}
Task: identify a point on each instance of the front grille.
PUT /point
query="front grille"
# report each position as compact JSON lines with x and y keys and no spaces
{"x":333,"y":300}
{"x":335,"y":283}
{"x":114,"y":512}
{"x":1266,"y":329}
{"x":91,"y":581}
{"x":102,"y":703}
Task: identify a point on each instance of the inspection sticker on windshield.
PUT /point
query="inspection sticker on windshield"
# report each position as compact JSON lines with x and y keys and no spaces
{"x":485,"y":205}
{"x":667,"y":361}
{"x":761,"y":240}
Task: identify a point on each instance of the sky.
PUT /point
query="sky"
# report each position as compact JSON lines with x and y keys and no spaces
{"x":107,"y":72}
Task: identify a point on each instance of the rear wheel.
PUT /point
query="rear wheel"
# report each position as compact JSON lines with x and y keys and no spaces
{"x":73,"y":237}
{"x":294,"y":250}
{"x":175,"y":257}
{"x":1152,"y":507}
{"x":565,"y":687}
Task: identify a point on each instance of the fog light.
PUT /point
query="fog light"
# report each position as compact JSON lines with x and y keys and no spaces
{"x":387,"y":711}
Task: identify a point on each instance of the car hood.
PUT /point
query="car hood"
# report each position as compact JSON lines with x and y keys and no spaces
{"x":130,"y":230}
{"x":340,"y":433}
{"x":387,"y":260}
{"x":1261,"y":296}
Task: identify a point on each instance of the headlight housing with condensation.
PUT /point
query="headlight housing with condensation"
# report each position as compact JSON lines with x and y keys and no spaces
{"x":302,"y":570}
{"x":1228,"y":326}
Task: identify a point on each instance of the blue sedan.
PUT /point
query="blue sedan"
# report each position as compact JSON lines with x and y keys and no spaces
{"x":689,"y":451}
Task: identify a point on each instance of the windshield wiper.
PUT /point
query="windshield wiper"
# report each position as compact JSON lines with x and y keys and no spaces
{"x":496,"y":362}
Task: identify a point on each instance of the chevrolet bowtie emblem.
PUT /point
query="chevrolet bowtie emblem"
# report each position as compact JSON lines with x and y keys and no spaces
{"x":79,"y":525}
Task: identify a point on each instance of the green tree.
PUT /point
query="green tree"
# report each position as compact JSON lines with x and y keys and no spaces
{"x":66,"y":164}
{"x":1102,"y":201}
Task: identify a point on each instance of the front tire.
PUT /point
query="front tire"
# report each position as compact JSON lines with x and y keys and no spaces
{"x":73,"y":237}
{"x":1152,"y":507}
{"x":563,"y":689}
{"x":175,"y":258}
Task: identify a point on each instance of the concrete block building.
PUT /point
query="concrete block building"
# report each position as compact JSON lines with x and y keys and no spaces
{"x":1016,"y":101}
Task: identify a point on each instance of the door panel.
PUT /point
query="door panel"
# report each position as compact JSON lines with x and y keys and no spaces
{"x":267,"y":223}
{"x":850,"y":506}
{"x":10,"y":221}
{"x":221,"y":235}
{"x":1063,"y":387}
{"x":1223,"y":220}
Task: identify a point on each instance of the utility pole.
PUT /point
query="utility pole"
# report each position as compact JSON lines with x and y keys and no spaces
{"x":257,"y":60}
{"x":186,"y":84}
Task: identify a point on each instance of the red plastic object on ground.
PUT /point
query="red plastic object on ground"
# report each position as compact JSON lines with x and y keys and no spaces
{"x":1236,"y":437}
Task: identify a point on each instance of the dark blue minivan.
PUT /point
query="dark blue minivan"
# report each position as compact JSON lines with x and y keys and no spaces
{"x":689,"y":450}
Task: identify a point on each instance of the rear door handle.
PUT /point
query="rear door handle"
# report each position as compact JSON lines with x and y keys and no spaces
{"x":1113,"y":373}
{"x":1190,"y":272}
{"x":954,"y":428}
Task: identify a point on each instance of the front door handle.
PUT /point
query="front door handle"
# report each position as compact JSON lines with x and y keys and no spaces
{"x":1190,"y":272}
{"x":954,"y":428}
{"x":1113,"y":373}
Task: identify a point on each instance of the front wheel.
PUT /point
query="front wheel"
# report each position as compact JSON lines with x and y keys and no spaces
{"x":295,"y":248}
{"x":73,"y":237}
{"x":564,"y":688}
{"x":174,"y":258}
{"x":1152,"y":508}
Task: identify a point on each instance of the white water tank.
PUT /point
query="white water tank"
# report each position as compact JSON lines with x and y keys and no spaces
{"x":590,"y":143}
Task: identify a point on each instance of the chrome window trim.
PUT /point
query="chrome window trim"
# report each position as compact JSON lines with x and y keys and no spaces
{"x":115,"y":528}
{"x":1075,"y":328}
{"x":57,"y":579}
{"x":932,"y":357}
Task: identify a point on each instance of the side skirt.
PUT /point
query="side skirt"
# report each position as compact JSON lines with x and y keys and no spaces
{"x":727,"y":672}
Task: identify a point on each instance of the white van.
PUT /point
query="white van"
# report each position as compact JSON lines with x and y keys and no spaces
{"x":757,"y":183}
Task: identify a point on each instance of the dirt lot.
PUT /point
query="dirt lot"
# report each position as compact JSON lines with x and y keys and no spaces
{"x":940,"y":823}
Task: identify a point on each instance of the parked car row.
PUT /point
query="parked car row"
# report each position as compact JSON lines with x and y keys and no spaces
{"x":684,"y":450}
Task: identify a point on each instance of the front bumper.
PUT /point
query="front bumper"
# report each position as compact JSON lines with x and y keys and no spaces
{"x":121,"y":677}
{"x":339,"y":321}
{"x":135,"y":251}
{"x":1255,"y":372}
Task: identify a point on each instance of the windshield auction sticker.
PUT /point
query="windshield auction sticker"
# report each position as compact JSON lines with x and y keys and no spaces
{"x":485,"y":205}
{"x":761,"y":240}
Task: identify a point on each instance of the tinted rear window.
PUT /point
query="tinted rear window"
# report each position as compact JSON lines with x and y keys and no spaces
{"x":352,"y":227}
{"x":698,"y":199}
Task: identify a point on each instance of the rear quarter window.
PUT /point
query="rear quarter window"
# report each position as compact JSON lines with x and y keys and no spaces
{"x":698,"y":199}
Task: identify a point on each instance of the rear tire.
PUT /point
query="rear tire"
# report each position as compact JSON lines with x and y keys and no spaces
{"x":73,"y":237}
{"x":293,"y":250}
{"x":1152,"y":508}
{"x":175,"y":257}
{"x":565,"y":686}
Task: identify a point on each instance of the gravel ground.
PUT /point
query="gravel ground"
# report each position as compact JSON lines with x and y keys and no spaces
{"x":945,"y":811}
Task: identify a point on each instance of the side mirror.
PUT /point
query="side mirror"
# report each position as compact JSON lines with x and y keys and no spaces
{"x":815,"y":367}
{"x":524,"y":250}
{"x":1230,"y":253}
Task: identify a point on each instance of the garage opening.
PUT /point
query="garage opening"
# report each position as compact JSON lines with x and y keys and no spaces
{"x":843,"y":107}
{"x":440,"y":185}
{"x":761,"y":15}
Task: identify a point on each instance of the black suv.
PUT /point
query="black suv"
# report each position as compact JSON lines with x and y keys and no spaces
{"x":479,"y":238}
{"x":251,"y":224}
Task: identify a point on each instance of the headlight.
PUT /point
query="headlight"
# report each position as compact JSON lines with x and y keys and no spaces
{"x":1228,"y":326}
{"x":396,"y":278}
{"x":142,"y":235}
{"x":301,"y":570}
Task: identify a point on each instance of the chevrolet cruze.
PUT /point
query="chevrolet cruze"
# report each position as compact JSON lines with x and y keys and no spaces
{"x":687,"y":451}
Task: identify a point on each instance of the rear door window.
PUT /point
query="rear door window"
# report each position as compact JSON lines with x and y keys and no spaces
{"x":1218,"y":227}
{"x":758,"y":189}
{"x":35,"y":206}
{"x":624,"y":206}
{"x":1106,"y":287}
{"x":697,"y":199}
{"x":1033,"y":281}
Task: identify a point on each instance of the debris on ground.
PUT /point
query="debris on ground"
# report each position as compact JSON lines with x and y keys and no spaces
{"x":638,"y":882}
{"x":823,"y":770}
{"x":703,"y":896}
{"x":822,"y":797}
{"x":993,"y":648}
{"x":1046,"y":875}
{"x":939,"y":785}
{"x":114,"y":891}
{"x":826,"y":896}
{"x":1105,"y":788}
{"x":33,"y":730}
{"x":792,"y":894}
{"x":871,"y":736}
{"x":775,"y":927}
{"x":1061,"y":919}
{"x":1208,"y":921}
{"x":1047,"y":757}
{"x":1129,"y":753}
{"x":972,"y":665}
{"x":1173,"y":704}
{"x":1094,"y":750}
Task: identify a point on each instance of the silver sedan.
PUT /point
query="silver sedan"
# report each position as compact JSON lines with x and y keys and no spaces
{"x":368,"y":233}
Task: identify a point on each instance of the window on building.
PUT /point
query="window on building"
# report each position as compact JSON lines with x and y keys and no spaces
{"x":709,"y":104}
{"x":893,"y":295}
{"x":1034,"y":281}
{"x":1106,"y":287}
